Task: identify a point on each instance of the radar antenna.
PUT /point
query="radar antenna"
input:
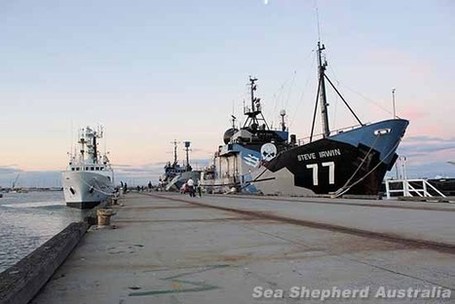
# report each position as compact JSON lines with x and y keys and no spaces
{"x":254,"y":112}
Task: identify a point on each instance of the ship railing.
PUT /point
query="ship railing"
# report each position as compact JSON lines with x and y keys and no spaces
{"x":305,"y":140}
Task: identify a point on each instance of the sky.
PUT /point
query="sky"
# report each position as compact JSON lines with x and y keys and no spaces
{"x":153,"y":71}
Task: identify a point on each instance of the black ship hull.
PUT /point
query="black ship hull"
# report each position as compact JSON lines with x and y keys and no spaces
{"x":354,"y":162}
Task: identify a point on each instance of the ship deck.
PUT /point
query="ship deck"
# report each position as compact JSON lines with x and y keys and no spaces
{"x":170,"y":248}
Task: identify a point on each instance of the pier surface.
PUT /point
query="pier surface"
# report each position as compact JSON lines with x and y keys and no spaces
{"x":170,"y":248}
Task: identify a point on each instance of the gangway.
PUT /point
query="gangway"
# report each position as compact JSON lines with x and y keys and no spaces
{"x":420,"y":187}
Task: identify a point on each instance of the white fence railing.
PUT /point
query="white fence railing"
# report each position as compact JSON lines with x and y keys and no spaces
{"x":419,"y":187}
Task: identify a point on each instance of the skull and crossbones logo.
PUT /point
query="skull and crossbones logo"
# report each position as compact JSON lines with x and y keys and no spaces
{"x":268,"y":151}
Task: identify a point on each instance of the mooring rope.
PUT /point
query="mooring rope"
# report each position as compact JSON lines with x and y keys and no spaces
{"x":358,"y":168}
{"x":342,"y":191}
{"x":99,"y":188}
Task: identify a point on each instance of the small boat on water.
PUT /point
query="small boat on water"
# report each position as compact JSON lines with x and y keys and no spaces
{"x":89,"y":178}
{"x":257,"y":159}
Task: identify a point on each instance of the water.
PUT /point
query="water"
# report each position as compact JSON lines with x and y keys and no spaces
{"x":27,"y":220}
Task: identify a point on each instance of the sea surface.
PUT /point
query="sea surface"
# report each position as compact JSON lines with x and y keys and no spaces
{"x":27,"y":220}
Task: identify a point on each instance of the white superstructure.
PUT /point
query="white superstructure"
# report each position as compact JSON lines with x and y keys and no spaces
{"x":89,"y":178}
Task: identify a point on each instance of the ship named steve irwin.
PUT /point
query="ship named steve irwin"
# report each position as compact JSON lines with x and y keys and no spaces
{"x":258,"y":159}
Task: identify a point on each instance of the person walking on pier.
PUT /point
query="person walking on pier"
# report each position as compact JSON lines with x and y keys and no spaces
{"x":199,"y":188}
{"x":190,"y":184}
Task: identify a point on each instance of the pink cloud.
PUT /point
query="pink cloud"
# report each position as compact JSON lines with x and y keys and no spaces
{"x":414,"y":113}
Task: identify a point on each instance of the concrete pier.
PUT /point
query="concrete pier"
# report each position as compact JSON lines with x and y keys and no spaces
{"x":21,"y":282}
{"x":170,"y":248}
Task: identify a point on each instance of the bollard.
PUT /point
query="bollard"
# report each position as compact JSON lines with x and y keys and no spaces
{"x":104,"y":217}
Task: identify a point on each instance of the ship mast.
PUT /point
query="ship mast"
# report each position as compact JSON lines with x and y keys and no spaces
{"x":323,"y":97}
{"x":187,"y":149}
{"x":82,"y":142}
{"x":95,"y":149}
{"x":175,"y":151}
{"x":255,"y":110}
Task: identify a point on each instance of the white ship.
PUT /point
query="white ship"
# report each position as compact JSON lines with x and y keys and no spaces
{"x":89,"y":178}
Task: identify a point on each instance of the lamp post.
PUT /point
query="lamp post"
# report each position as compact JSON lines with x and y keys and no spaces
{"x":393,"y":101}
